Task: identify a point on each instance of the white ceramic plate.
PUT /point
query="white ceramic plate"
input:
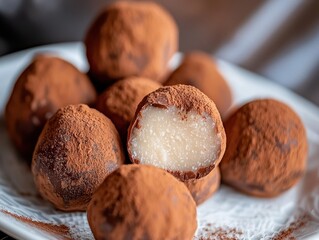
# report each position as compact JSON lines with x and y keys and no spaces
{"x":227,"y":214}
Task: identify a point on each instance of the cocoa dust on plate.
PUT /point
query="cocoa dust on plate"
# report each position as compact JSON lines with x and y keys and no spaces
{"x":211,"y":232}
{"x":289,"y":232}
{"x":62,"y":231}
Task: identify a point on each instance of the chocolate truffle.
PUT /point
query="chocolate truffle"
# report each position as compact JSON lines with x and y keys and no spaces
{"x":203,"y":188}
{"x":177,"y":128}
{"x":266,"y":148}
{"x":119,"y":102}
{"x":131,"y":39}
{"x":76,"y":150}
{"x":142,"y":202}
{"x":199,"y":70}
{"x":47,"y":84}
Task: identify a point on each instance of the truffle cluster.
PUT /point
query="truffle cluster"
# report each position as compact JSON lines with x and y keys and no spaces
{"x":174,"y":135}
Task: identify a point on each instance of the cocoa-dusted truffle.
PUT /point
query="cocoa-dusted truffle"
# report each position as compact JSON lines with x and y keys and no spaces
{"x":131,"y":39}
{"x":142,"y":202}
{"x":199,"y":70}
{"x":76,"y":150}
{"x":203,"y":188}
{"x":47,"y":84}
{"x":119,"y":102}
{"x":266,"y":148}
{"x":177,"y":128}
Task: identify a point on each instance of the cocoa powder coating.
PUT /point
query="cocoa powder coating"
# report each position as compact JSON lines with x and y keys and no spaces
{"x":198,"y":69}
{"x":47,"y":84}
{"x":76,"y":150}
{"x":119,"y":101}
{"x":185,"y":98}
{"x":131,"y":39}
{"x":266,"y":148}
{"x":203,"y":188}
{"x":142,"y":202}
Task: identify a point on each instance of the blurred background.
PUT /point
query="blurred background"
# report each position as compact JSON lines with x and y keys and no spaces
{"x":276,"y":39}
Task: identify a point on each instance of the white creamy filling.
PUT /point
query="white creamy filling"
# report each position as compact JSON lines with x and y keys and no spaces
{"x":175,"y":140}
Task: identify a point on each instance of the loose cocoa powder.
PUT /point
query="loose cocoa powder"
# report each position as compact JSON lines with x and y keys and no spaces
{"x":60,"y":231}
{"x":211,"y":232}
{"x":289,"y":232}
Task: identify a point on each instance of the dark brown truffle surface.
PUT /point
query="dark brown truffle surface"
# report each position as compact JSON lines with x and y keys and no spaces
{"x":186,"y":99}
{"x":266,"y":148}
{"x":203,"y":188}
{"x":131,"y":39}
{"x":142,"y":202}
{"x":119,"y":101}
{"x":47,"y":84}
{"x":76,"y":150}
{"x":198,"y":69}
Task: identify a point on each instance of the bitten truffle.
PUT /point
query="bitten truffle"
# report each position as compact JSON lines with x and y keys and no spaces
{"x":131,"y":39}
{"x":47,"y":84}
{"x":119,"y":101}
{"x":266,"y":148}
{"x":142,"y":202}
{"x":203,"y":188}
{"x":177,"y":128}
{"x":199,"y":70}
{"x":76,"y":150}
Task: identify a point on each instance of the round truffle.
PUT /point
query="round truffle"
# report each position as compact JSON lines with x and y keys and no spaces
{"x":203,"y":188}
{"x":266,"y":148}
{"x":131,"y":39}
{"x":76,"y":150}
{"x":119,"y":101}
{"x":142,"y":202}
{"x":47,"y":84}
{"x":177,"y":128}
{"x":198,"y":69}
